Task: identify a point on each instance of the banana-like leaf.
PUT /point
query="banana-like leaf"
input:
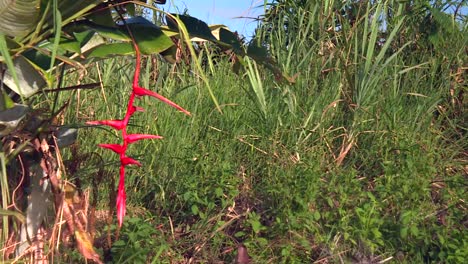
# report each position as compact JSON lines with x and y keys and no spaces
{"x":83,"y":37}
{"x":174,"y":32}
{"x":72,"y":9}
{"x":226,"y":36}
{"x":214,"y":30}
{"x":195,"y":27}
{"x":18,"y":17}
{"x":28,"y":22}
{"x":107,"y":50}
{"x":30,"y":81}
{"x":149,"y":38}
{"x":67,"y":44}
{"x":40,"y":58}
{"x":111,"y":32}
{"x":103,"y":17}
{"x":169,"y":32}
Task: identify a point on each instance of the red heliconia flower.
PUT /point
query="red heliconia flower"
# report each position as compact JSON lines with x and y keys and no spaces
{"x":119,"y":149}
{"x":130,"y":138}
{"x":139,"y":91}
{"x":121,"y":197}
{"x":116,"y":124}
{"x":129,"y":161}
{"x":134,"y":109}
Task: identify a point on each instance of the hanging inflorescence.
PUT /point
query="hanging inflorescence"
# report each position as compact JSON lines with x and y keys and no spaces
{"x":121,"y":124}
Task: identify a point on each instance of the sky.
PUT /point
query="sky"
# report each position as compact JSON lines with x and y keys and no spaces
{"x":225,"y":12}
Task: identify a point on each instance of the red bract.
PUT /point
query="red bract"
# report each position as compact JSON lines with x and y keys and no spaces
{"x":117,"y":124}
{"x":137,"y":91}
{"x":136,"y":109}
{"x":119,"y":149}
{"x":129,"y":161}
{"x":135,"y":137}
{"x":121,"y":197}
{"x":142,"y":92}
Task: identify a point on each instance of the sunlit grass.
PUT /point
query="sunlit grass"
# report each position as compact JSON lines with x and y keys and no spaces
{"x":355,"y":161}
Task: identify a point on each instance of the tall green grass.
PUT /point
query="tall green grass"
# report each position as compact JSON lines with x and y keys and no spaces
{"x":353,"y":162}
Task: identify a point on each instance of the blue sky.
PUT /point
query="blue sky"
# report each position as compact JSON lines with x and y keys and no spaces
{"x":222,"y":12}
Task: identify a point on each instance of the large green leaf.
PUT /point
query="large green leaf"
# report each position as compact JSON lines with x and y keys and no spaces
{"x":72,"y":9}
{"x":226,"y":36}
{"x":65,"y":44}
{"x":102,"y":17}
{"x":18,"y":17}
{"x":195,"y":27}
{"x":83,"y":37}
{"x":149,"y":38}
{"x":109,"y":50}
{"x":111,"y":32}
